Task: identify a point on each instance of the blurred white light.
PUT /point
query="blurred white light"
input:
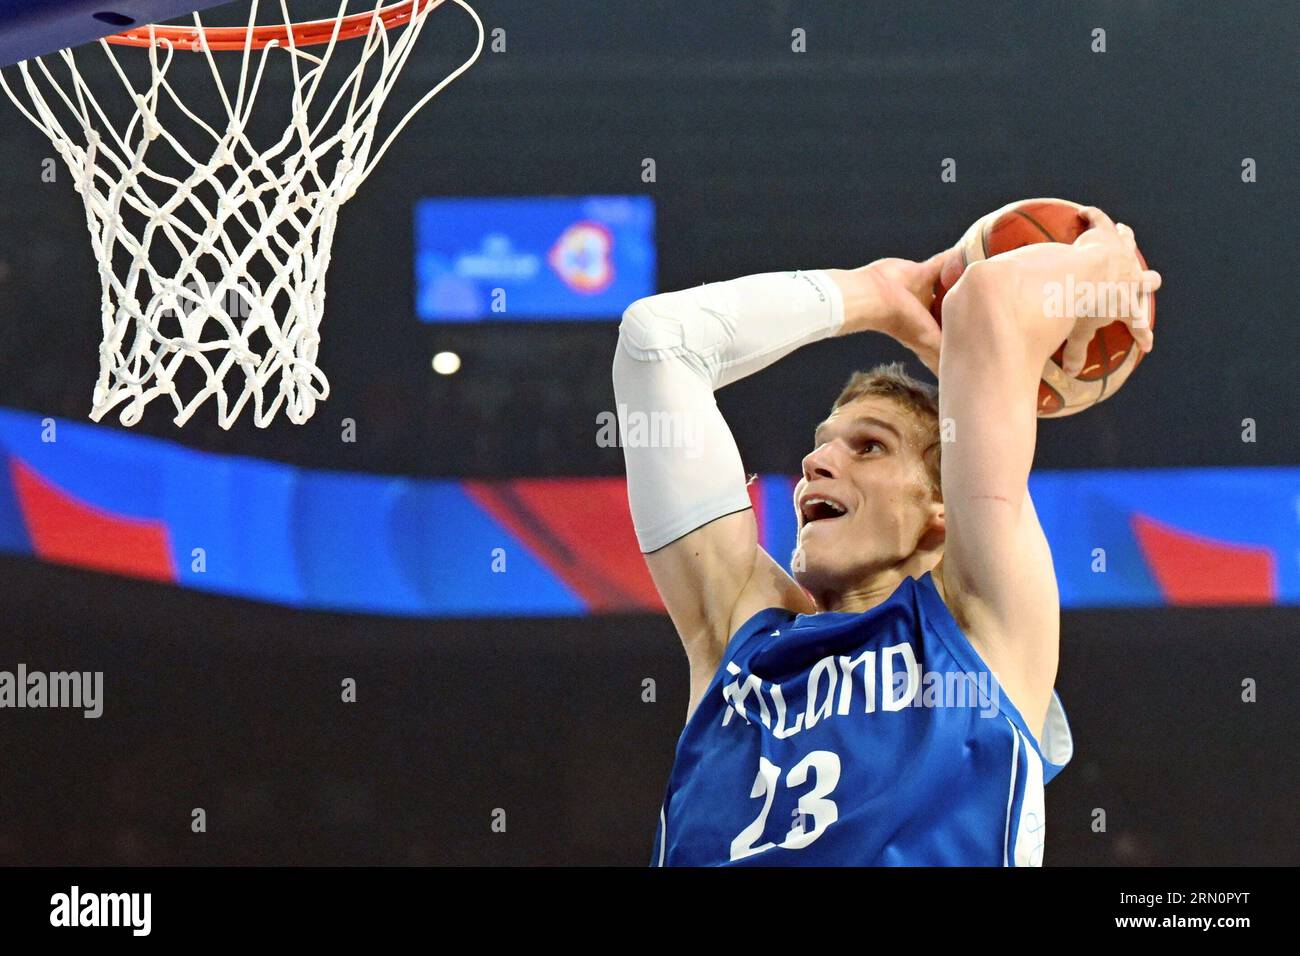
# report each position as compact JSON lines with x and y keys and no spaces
{"x":446,"y":363}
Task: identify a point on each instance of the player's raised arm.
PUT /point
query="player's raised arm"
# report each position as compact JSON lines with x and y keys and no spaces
{"x":997,"y":335}
{"x":686,"y":483}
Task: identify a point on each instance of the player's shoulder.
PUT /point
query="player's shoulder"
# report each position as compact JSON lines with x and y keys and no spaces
{"x":762,"y":622}
{"x":770,"y":587}
{"x":704,"y":671}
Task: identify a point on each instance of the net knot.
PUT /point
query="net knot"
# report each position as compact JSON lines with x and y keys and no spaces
{"x":164,"y":381}
{"x":149,"y":125}
{"x":242,"y":354}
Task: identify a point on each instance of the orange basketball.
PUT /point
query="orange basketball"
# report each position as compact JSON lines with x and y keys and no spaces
{"x":1112,"y":353}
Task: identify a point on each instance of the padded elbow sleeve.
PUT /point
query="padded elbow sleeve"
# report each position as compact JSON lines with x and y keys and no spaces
{"x":683,"y":466}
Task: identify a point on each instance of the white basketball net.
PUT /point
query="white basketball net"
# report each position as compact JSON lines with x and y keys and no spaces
{"x":242,"y":210}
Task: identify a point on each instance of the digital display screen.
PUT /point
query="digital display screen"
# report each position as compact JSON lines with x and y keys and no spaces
{"x":532,"y":258}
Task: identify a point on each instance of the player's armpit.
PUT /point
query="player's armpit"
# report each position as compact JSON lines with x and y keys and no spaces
{"x":709,"y":593}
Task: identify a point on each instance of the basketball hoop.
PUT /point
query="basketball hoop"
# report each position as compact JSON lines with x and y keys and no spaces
{"x":250,"y":229}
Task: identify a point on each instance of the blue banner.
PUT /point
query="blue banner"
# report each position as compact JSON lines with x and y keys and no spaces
{"x":119,"y":503}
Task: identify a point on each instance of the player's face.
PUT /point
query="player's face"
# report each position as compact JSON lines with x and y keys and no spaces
{"x":865,"y":502}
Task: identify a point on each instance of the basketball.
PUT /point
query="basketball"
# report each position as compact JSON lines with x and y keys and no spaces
{"x":1112,"y":353}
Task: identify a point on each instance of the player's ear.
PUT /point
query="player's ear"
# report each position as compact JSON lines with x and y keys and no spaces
{"x":938,"y":515}
{"x":935,"y":506}
{"x":936,"y":529}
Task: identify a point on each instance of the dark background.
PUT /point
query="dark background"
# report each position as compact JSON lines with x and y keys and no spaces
{"x":766,"y":160}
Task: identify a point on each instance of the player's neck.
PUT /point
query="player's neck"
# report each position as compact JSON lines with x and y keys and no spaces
{"x":876,"y":589}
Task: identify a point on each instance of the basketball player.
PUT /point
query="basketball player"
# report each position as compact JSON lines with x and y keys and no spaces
{"x":893,"y":702}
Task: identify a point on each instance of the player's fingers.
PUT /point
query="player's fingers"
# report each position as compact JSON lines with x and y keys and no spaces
{"x":1076,"y":349}
{"x":1133,"y":266}
{"x":1143,"y":334}
{"x":929,"y":276}
{"x":1140,"y":324}
{"x":934,"y":265}
{"x":1128,"y":240}
{"x":1095,"y":218}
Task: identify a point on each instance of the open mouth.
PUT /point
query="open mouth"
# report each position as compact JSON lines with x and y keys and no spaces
{"x":820,"y":508}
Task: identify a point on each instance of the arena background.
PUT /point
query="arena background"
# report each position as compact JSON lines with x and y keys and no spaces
{"x":765,"y":159}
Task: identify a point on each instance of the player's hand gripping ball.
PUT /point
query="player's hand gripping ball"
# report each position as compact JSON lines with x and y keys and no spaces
{"x":1112,"y":354}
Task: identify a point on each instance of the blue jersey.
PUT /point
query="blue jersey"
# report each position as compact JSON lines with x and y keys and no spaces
{"x":855,"y":739}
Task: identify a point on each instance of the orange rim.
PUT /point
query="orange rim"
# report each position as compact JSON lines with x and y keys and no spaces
{"x":311,"y":33}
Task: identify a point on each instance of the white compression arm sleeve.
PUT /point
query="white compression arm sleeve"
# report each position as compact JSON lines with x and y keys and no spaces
{"x":683,"y":466}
